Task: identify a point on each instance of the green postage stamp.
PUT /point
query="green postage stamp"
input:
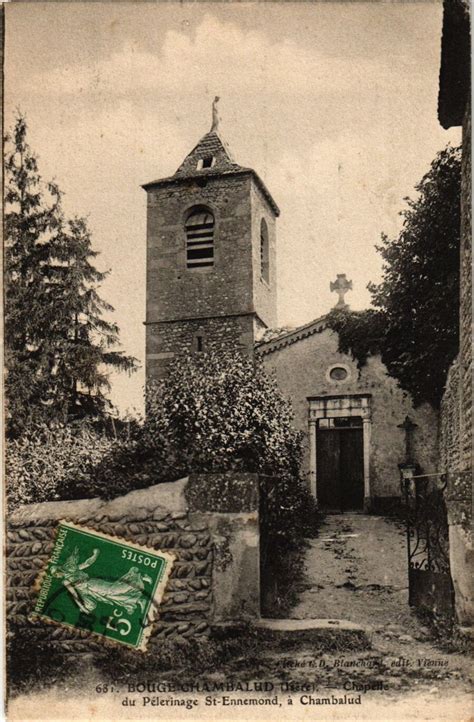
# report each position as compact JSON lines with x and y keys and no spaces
{"x":103,"y":584}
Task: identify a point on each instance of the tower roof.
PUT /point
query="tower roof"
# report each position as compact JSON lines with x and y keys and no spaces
{"x":211,"y":146}
{"x":211,"y":157}
{"x":211,"y":153}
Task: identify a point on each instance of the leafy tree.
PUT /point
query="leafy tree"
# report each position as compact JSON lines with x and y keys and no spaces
{"x":213,"y":412}
{"x":359,"y":332}
{"x":58,"y":346}
{"x":419,"y":293}
{"x":415,"y":323}
{"x":221,"y":411}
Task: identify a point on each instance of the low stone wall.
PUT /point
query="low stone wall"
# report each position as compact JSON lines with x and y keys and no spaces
{"x":215,"y":577}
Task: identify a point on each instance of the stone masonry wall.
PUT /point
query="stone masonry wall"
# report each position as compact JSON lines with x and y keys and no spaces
{"x":265,"y":294}
{"x":456,"y":406}
{"x":232,"y":285}
{"x":456,"y":413}
{"x":449,"y":437}
{"x":465,"y":351}
{"x":165,"y":340}
{"x":205,"y":587}
{"x":175,"y":292}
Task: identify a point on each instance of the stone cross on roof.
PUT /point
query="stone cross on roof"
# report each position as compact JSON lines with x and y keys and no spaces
{"x":341,"y":286}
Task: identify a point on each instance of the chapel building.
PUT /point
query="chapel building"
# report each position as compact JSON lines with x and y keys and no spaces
{"x":211,"y":284}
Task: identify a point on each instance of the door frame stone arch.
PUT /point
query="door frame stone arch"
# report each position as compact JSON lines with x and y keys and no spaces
{"x":340,"y":405}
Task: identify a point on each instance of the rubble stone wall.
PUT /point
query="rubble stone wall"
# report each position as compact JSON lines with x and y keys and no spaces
{"x":207,"y":585}
{"x":456,"y":414}
{"x":449,"y":436}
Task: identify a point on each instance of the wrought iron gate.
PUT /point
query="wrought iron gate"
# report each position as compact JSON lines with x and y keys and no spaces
{"x":429,"y":577}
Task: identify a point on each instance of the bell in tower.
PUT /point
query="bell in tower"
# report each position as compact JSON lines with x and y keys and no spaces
{"x":211,"y":256}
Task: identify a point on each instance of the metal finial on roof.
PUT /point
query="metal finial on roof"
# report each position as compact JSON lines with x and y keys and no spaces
{"x":215,"y":115}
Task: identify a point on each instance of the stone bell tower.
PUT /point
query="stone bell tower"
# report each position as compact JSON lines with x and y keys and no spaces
{"x":211,"y":256}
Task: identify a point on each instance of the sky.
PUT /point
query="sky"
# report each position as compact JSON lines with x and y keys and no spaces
{"x":332,"y":103}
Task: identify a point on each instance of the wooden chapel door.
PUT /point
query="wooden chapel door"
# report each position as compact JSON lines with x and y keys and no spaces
{"x":340,"y":465}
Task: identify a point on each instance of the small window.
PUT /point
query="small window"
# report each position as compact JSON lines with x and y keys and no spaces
{"x":348,"y":422}
{"x":264,"y":253}
{"x":341,"y":422}
{"x":325,"y":423}
{"x":198,"y":343}
{"x":338,"y":373}
{"x":200,"y":238}
{"x":206,"y":162}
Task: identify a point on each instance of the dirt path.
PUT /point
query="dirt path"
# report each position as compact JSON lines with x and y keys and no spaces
{"x":357,"y":570}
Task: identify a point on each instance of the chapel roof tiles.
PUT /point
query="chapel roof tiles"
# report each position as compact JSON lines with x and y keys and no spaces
{"x":290,"y":337}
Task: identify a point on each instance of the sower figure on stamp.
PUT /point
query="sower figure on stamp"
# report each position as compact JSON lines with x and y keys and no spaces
{"x":87,"y":592}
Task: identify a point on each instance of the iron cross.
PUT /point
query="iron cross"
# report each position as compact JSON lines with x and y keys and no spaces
{"x":341,"y":286}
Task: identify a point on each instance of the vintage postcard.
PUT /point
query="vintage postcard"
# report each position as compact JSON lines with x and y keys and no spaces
{"x":238,"y":360}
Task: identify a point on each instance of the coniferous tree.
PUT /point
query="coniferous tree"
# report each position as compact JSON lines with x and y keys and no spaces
{"x":31,"y":221}
{"x":58,"y":346}
{"x":85,"y":341}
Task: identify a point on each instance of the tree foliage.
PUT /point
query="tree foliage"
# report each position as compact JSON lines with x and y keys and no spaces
{"x":58,"y":345}
{"x":214,"y":412}
{"x":221,"y":411}
{"x":54,"y":461}
{"x":419,"y":293}
{"x":360,"y":333}
{"x":415,"y":323}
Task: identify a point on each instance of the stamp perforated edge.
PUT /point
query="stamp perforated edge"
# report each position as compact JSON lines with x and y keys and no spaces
{"x":152,"y":613}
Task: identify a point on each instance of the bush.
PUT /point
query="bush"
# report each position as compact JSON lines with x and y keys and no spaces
{"x":46,"y":460}
{"x":221,"y":412}
{"x":288,"y":515}
{"x":213,"y":412}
